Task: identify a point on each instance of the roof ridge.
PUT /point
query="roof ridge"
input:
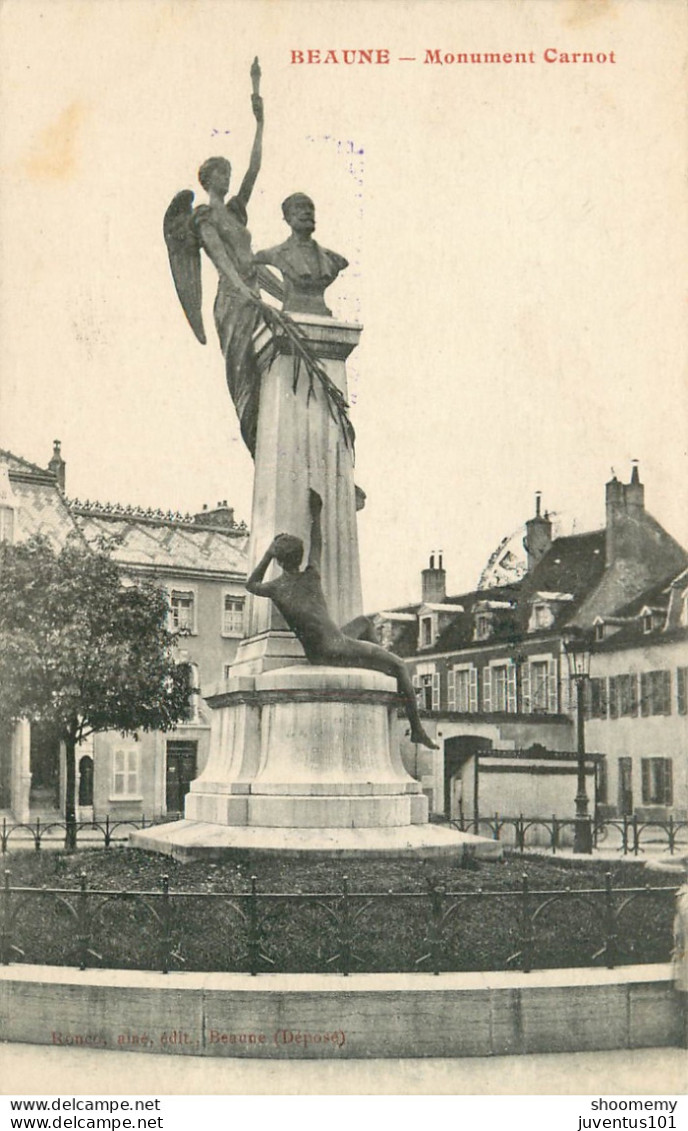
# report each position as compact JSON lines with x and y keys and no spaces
{"x":128,"y":512}
{"x":25,"y":462}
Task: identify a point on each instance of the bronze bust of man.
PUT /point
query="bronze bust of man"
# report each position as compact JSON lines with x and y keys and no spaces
{"x":307,"y":268}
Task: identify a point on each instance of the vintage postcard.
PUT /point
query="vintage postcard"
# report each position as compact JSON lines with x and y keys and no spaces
{"x":457,"y":231}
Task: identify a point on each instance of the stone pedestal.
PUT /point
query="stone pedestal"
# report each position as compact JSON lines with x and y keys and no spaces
{"x":300,"y":444}
{"x":302,"y":760}
{"x":306,"y":747}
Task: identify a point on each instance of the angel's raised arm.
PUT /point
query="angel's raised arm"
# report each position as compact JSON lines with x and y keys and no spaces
{"x":249,"y":180}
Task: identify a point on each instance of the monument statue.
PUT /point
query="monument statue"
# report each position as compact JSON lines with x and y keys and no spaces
{"x":304,"y":752}
{"x":220,"y":228}
{"x":307,"y":268}
{"x":299,"y":597}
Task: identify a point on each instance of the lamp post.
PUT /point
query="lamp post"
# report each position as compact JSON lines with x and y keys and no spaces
{"x":578,"y":651}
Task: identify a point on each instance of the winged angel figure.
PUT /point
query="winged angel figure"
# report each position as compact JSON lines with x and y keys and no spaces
{"x":220,"y":228}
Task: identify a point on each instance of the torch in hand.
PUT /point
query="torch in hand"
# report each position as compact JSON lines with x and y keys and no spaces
{"x":256,"y":100}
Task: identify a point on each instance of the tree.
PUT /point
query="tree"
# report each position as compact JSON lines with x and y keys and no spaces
{"x":84,"y":649}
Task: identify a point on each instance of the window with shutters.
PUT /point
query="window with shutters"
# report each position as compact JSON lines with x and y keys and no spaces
{"x":427,"y":690}
{"x":682,"y":690}
{"x":499,"y":687}
{"x":596,"y":698}
{"x":232,"y":615}
{"x":623,"y":695}
{"x":125,"y":773}
{"x":655,"y":693}
{"x":657,"y":781}
{"x":539,"y":686}
{"x":183,"y":611}
{"x":539,"y":671}
{"x":628,"y":695}
{"x":462,"y":683}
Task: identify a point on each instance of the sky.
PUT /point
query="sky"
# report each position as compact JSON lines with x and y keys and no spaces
{"x":516,"y":236}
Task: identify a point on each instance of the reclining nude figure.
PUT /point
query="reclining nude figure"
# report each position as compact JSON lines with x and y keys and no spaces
{"x":300,"y":599}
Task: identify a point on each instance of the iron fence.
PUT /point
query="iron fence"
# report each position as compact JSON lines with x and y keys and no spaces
{"x":436,"y":930}
{"x":108,"y":830}
{"x":627,"y":835}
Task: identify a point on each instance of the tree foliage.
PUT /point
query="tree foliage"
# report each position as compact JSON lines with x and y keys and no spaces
{"x":82,"y":648}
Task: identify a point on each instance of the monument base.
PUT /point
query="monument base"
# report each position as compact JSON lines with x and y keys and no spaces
{"x":194,"y":840}
{"x":304,"y":760}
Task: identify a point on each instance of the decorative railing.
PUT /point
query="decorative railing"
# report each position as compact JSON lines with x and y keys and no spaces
{"x":108,"y":831}
{"x":342,"y":931}
{"x":627,"y":835}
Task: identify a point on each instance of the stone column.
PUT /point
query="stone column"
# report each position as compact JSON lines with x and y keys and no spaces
{"x":300,"y":445}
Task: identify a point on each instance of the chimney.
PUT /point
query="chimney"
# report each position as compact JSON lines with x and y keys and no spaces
{"x":538,"y":537}
{"x":625,"y":506}
{"x":58,"y":466}
{"x":434,"y":581}
{"x":222,"y":515}
{"x":635,"y":491}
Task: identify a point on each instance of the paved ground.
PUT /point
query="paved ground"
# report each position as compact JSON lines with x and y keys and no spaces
{"x":43,"y":1070}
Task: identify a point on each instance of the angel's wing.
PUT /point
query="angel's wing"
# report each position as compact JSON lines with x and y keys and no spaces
{"x":185,"y":258}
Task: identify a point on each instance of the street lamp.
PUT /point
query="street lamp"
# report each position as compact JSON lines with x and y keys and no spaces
{"x":578,"y":651}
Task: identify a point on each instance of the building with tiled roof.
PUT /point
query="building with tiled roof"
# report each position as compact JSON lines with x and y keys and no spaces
{"x":637,"y":709}
{"x":492,"y":676}
{"x":201,"y":561}
{"x":31,"y":502}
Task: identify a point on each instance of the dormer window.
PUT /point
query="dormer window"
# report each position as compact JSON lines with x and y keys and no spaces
{"x":599,"y":631}
{"x":483,"y":626}
{"x":545,"y":607}
{"x":433,"y":619}
{"x":542,"y":617}
{"x":651,"y":619}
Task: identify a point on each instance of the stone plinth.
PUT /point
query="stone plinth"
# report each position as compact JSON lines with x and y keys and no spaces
{"x":302,"y":761}
{"x":300,"y":444}
{"x":306,"y":747}
{"x":195,"y":840}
